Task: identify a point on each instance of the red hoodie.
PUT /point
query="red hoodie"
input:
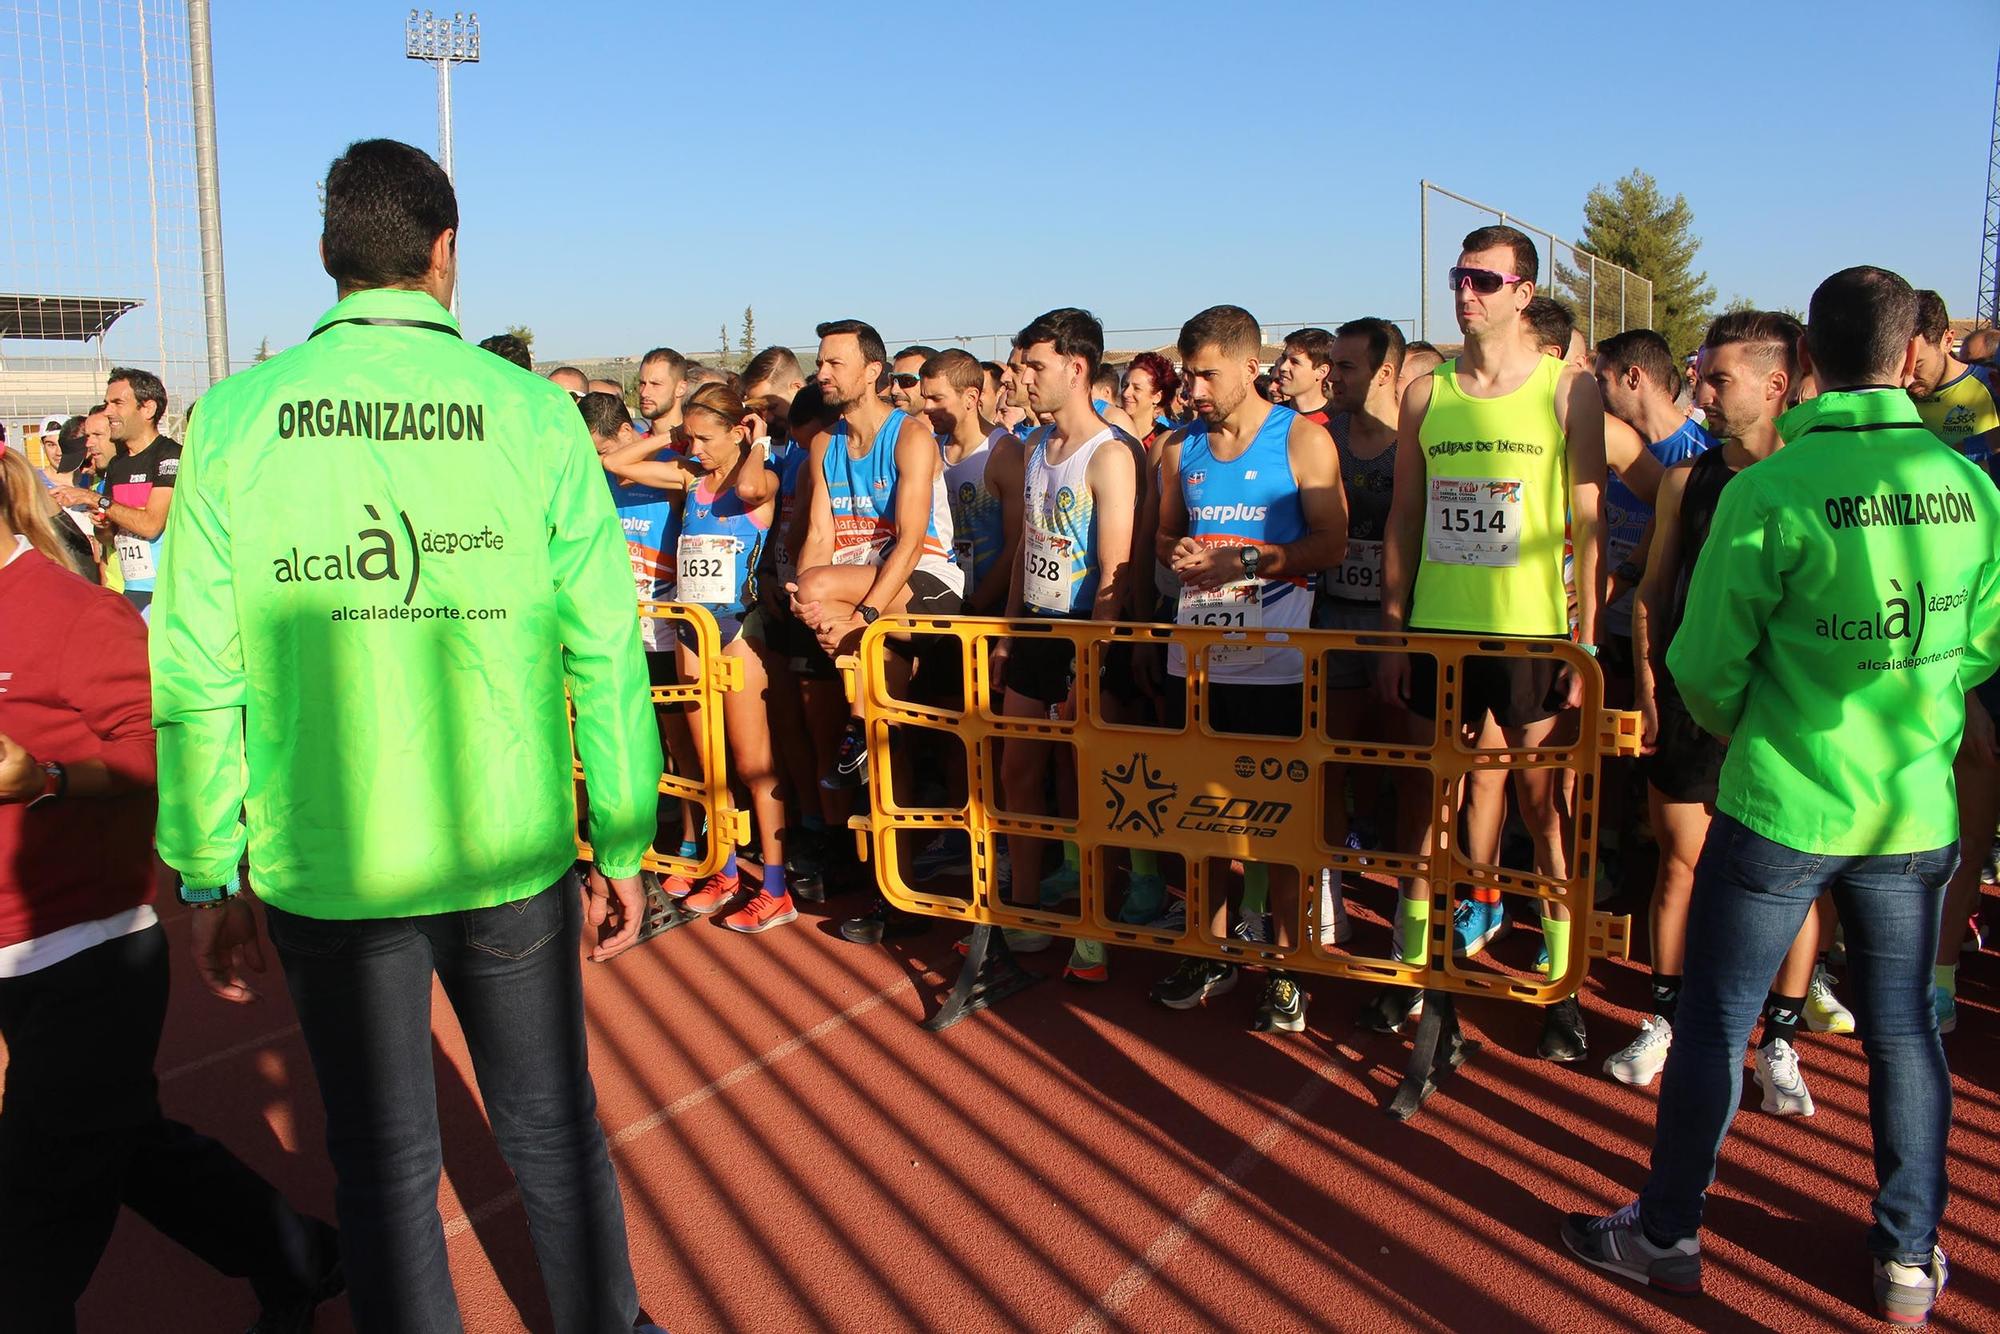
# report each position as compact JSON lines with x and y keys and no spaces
{"x":73,"y":686}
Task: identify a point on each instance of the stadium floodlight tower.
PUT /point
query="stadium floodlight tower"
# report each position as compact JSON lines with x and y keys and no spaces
{"x":443,"y":42}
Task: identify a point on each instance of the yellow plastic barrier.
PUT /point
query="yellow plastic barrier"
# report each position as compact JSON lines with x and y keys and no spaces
{"x":1213,"y":798}
{"x":700,"y":702}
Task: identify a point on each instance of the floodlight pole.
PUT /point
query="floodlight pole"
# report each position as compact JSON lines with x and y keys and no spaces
{"x":208,"y":194}
{"x":443,"y":42}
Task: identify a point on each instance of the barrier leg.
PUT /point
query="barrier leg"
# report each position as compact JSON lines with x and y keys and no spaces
{"x":1439,"y":1049}
{"x":663,"y":914}
{"x":990,"y":974}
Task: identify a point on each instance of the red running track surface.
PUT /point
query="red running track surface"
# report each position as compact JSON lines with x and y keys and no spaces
{"x":797,"y":1154}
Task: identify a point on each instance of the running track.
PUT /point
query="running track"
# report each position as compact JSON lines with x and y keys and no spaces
{"x":797,"y":1154}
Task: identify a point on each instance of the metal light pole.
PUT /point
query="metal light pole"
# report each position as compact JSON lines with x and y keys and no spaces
{"x":443,"y":42}
{"x":208,"y":207}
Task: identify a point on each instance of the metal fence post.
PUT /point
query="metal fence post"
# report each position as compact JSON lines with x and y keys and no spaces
{"x":1424,"y":260}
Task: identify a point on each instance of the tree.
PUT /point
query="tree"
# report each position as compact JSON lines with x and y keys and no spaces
{"x":749,"y":334}
{"x":522,"y":332}
{"x":263,"y":351}
{"x":1633,"y":225}
{"x":723,"y":356}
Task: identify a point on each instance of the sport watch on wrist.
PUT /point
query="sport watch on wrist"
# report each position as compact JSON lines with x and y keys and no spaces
{"x":1250,"y":557}
{"x":103,"y":504}
{"x":55,"y":784}
{"x":867,"y":614}
{"x":213,"y":897}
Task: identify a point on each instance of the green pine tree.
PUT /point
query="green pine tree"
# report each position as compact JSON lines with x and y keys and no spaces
{"x":749,"y":333}
{"x":1633,"y":225}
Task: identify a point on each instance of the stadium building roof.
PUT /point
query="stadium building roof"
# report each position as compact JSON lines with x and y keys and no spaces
{"x":69,"y":318}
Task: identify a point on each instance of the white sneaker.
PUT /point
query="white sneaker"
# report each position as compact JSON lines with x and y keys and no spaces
{"x":1778,"y":1075}
{"x":1253,"y":928}
{"x":1824,"y":1013}
{"x":1334,"y":926}
{"x":1642,"y":1058}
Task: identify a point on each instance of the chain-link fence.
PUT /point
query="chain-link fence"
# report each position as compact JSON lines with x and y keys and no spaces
{"x":1605,"y":298}
{"x":100,"y":229}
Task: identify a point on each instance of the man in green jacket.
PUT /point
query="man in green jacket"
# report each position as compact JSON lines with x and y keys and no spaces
{"x":390,"y":553}
{"x":1847,"y":598}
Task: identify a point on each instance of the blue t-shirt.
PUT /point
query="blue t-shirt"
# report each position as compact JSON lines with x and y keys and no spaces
{"x":1626,"y":516}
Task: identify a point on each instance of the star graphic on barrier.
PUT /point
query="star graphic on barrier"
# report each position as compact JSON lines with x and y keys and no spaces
{"x":1138,"y":796}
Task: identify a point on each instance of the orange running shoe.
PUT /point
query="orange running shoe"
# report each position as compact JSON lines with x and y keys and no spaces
{"x":761,"y":913}
{"x":715,"y":891}
{"x":677,"y":886}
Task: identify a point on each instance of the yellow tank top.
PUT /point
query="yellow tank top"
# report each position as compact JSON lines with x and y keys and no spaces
{"x":1496,"y":503}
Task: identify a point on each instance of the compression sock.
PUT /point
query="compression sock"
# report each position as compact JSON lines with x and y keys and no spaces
{"x":1945,"y":977}
{"x":728,"y":871}
{"x":1256,"y":887}
{"x":774,"y":878}
{"x":1144,"y":862}
{"x":1556,"y":936}
{"x":1485,"y":895}
{"x":1781,"y":1018}
{"x":1413,"y":919}
{"x":1072,"y":857}
{"x":690,"y":848}
{"x":1666,"y":995}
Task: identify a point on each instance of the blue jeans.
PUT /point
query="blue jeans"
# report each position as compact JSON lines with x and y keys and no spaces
{"x":1750,"y":898}
{"x":363,"y":993}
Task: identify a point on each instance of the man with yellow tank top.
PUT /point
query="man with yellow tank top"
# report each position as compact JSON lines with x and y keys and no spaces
{"x":1959,"y":404}
{"x":1499,"y":448}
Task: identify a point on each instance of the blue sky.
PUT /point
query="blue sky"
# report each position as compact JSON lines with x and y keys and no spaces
{"x":636,"y":173}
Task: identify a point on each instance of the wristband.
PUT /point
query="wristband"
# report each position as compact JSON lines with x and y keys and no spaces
{"x":1591,"y":649}
{"x":214,"y":896}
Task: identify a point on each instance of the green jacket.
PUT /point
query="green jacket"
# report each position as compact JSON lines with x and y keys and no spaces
{"x":388,"y":552}
{"x":1847,"y":598}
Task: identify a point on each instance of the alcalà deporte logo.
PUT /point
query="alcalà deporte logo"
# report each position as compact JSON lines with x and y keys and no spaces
{"x":1901,"y":616}
{"x":381,"y":553}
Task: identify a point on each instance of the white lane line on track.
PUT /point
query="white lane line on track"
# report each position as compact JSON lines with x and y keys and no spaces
{"x":227,"y":1053}
{"x":687,"y":1102}
{"x":1223,"y":1184}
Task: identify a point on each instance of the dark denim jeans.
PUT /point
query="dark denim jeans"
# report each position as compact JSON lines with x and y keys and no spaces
{"x":363,"y":993}
{"x":81,"y":1132}
{"x":1750,"y":897}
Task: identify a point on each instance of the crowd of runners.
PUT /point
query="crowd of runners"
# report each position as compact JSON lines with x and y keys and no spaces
{"x":1780,"y":548}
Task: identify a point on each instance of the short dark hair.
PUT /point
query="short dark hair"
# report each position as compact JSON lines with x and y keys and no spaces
{"x":1527,"y":260}
{"x":603,"y":414}
{"x":916,"y":350}
{"x":1385,"y":341}
{"x":1552,"y":321}
{"x":386,"y":205}
{"x":1105,"y":383}
{"x":808,"y":407}
{"x":676,"y":363}
{"x":1072,"y":331}
{"x":510,"y":348}
{"x":1857,"y":326}
{"x":1649,"y":352}
{"x":954,"y":365}
{"x":1421,"y":347}
{"x":1315,"y":342}
{"x":145,"y":386}
{"x":1772,"y":334}
{"x":1933,"y":320}
{"x":1231,"y":330}
{"x":770,"y":364}
{"x":994,"y":369}
{"x":870,"y":341}
{"x":577,"y":371}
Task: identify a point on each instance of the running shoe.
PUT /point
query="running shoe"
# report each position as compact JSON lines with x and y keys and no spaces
{"x":1283,"y":1009}
{"x":1616,"y":1242}
{"x":1019,"y":939}
{"x":1904,"y":1294}
{"x":1173,"y":921}
{"x":1644,"y":1055}
{"x":1145,"y":896}
{"x":1475,"y":924}
{"x":715,"y":891}
{"x":1087,"y":963}
{"x":1778,"y":1075}
{"x":1542,"y":958}
{"x":761,"y":913}
{"x":850,"y":762}
{"x":677,"y":886}
{"x":1393,"y":1009}
{"x":805,"y":853}
{"x":1193,"y":982}
{"x":1945,"y":1005}
{"x":1253,"y":928}
{"x":949,"y":851}
{"x":1563,"y":1038}
{"x":1060,"y":885}
{"x":1824,"y":1012}
{"x":881,"y":922}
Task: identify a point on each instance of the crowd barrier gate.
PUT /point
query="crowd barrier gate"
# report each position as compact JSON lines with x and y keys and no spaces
{"x":700,"y":702}
{"x":1213,"y":798}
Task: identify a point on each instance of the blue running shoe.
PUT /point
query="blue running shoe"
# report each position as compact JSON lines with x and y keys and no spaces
{"x":1475,"y":925}
{"x":1060,"y":885}
{"x":1145,"y":897}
